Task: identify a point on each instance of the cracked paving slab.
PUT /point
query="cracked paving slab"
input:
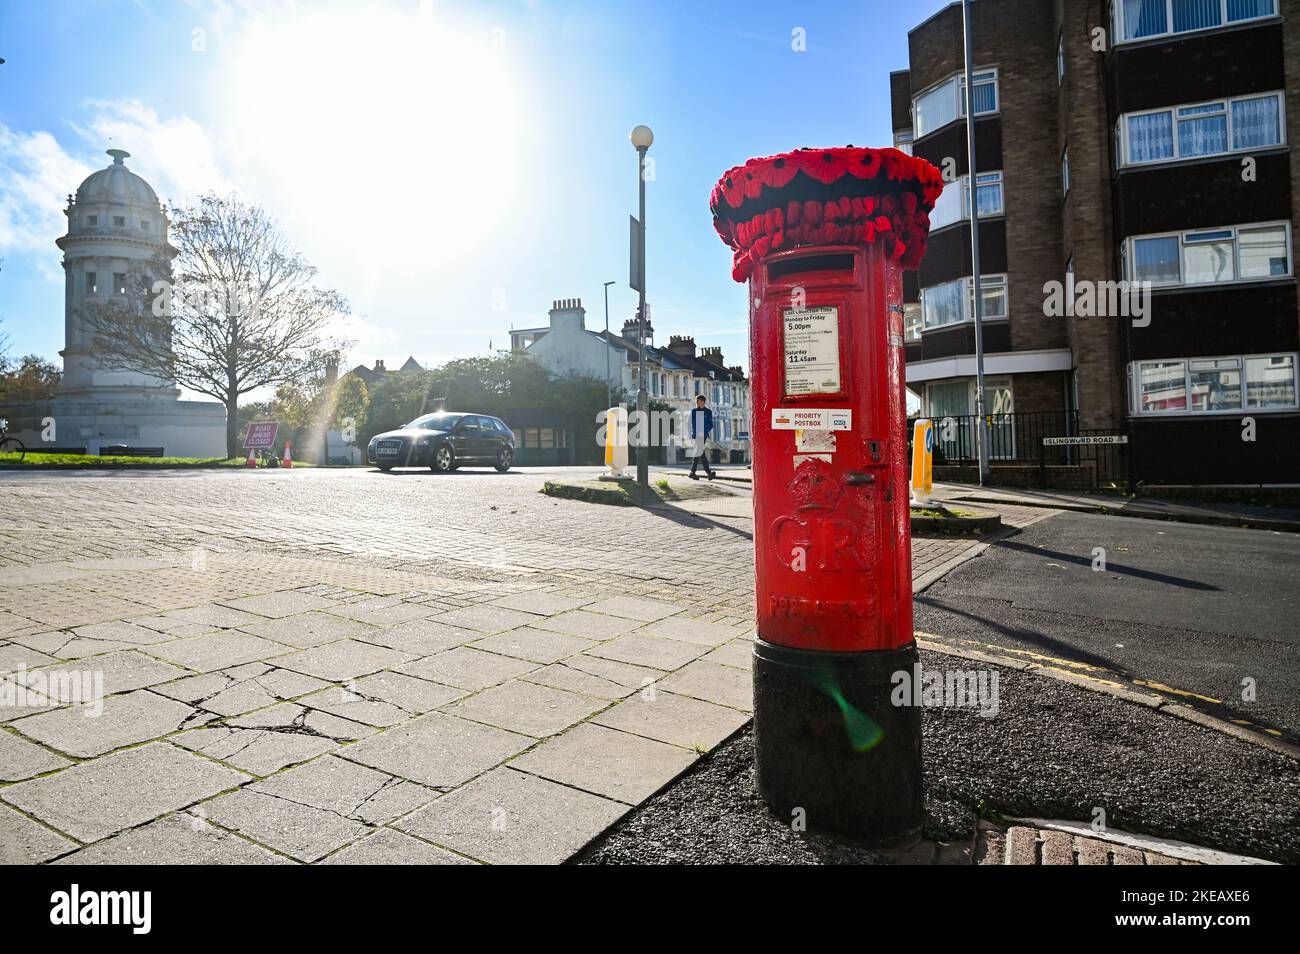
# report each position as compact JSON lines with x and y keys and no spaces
{"x":176,"y":839}
{"x":124,"y":720}
{"x":352,"y":702}
{"x":242,"y":689}
{"x":352,"y":791}
{"x":389,"y":847}
{"x":15,"y":656}
{"x":298,"y":830}
{"x":53,"y":686}
{"x":264,"y":742}
{"x":95,"y":799}
{"x":93,"y":640}
{"x":417,"y":696}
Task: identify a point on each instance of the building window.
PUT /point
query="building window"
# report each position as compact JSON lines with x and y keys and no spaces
{"x":1141,"y":19}
{"x":119,"y":221}
{"x":994,"y":295}
{"x":1162,"y":387}
{"x":953,"y":204}
{"x":92,"y":220}
{"x":946,"y":102}
{"x":1214,"y":128}
{"x":1214,"y":385}
{"x":92,"y":284}
{"x":903,"y":141}
{"x":1210,"y":256}
{"x":953,"y":302}
{"x":119,"y":283}
{"x":912,"y":322}
{"x":1271,"y":381}
{"x":1060,"y":59}
{"x":1065,"y":171}
{"x":144,"y":225}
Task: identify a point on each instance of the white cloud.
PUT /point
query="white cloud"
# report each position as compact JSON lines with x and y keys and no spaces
{"x":36,"y":175}
{"x":175,"y":155}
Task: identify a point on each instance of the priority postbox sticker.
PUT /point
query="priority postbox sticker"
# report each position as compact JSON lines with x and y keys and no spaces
{"x":811,"y":419}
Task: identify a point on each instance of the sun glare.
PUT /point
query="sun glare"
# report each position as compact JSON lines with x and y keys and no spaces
{"x":391,"y":128}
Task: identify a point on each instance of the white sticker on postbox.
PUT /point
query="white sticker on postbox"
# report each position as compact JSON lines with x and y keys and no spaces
{"x":814,"y":442}
{"x":811,"y":419}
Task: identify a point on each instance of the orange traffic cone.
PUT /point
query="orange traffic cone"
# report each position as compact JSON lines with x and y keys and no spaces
{"x":288,"y":459}
{"x":252,"y":461}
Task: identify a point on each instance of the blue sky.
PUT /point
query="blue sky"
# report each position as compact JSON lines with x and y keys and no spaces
{"x":450,"y":167}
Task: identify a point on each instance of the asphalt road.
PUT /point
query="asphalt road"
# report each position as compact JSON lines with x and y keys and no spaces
{"x":1195,"y":608}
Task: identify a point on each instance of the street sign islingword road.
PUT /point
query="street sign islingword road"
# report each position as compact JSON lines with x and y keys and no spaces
{"x":261,"y":435}
{"x":1085,"y":441}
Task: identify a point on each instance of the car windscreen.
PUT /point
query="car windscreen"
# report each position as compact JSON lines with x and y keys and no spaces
{"x":436,"y":422}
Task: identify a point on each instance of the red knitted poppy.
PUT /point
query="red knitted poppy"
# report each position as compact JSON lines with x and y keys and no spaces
{"x":847,"y":195}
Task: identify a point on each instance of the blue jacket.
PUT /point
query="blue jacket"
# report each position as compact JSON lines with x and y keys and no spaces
{"x":708,"y":420}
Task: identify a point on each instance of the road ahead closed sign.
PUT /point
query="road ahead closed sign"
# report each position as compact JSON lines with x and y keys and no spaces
{"x":1085,"y":441}
{"x":261,"y":435}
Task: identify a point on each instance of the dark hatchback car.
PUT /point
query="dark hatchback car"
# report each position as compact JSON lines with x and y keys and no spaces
{"x":445,"y":441}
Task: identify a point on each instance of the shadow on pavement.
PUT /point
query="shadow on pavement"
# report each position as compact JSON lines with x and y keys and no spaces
{"x":1110,"y":567}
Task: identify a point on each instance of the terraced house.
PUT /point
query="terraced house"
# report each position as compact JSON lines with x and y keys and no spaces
{"x":674,"y":375}
{"x":1142,"y":141}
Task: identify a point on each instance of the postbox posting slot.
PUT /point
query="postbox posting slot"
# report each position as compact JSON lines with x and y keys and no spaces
{"x":835,"y":267}
{"x":799,"y":264}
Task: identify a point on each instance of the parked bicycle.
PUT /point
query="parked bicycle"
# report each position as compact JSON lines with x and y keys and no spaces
{"x":10,"y":445}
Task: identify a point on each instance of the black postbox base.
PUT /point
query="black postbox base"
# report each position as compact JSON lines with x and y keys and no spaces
{"x":832,"y":751}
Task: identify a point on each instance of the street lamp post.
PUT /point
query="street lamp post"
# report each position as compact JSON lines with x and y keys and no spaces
{"x":981,"y":429}
{"x":641,"y":138}
{"x":609,"y":391}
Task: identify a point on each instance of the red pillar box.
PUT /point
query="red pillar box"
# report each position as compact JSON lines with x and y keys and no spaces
{"x":823,"y":237}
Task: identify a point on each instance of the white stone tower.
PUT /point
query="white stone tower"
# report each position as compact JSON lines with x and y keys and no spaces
{"x":115,"y":225}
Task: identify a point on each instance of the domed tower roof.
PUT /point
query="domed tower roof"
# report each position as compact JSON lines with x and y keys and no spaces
{"x":117,"y":184}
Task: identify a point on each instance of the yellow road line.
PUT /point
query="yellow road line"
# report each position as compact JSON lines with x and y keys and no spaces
{"x":1161,"y":687}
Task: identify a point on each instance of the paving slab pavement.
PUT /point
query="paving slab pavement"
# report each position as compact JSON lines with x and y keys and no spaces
{"x":312,"y":690}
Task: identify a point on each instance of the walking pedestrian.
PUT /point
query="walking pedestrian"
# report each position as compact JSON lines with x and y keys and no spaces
{"x":701,"y":428}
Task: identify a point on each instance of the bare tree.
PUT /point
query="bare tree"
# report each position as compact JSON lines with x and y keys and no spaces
{"x":231,"y":308}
